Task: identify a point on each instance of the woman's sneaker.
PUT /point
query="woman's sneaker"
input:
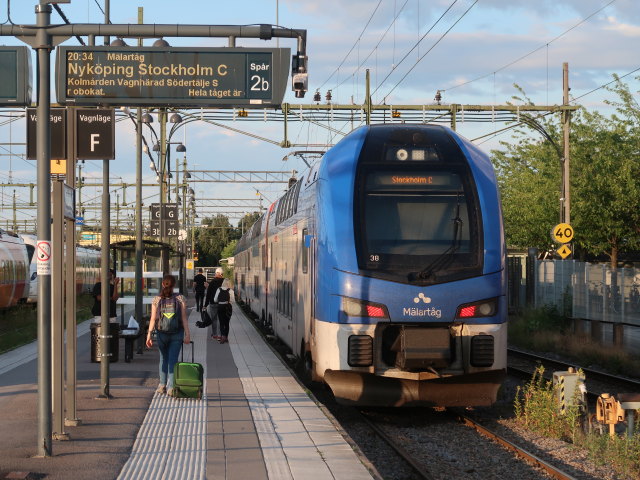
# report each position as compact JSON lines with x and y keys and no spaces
{"x":161,"y":389}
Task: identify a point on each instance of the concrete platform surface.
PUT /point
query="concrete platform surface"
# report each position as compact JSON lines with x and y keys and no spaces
{"x":254,"y":421}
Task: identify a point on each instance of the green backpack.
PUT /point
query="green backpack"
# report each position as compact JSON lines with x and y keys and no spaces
{"x":169,"y":316}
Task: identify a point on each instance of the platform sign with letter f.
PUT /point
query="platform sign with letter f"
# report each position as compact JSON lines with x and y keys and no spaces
{"x":95,"y":139}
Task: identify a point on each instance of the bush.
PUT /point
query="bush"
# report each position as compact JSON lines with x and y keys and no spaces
{"x":536,"y":407}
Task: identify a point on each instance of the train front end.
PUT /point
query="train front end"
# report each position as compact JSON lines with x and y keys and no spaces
{"x":411,"y":305}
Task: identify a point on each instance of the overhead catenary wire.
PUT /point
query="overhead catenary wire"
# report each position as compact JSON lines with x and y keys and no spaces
{"x":374,"y":49}
{"x":353,"y":46}
{"x":573,"y":100}
{"x":415,"y":46}
{"x":545,"y":45}
{"x":432,"y":47}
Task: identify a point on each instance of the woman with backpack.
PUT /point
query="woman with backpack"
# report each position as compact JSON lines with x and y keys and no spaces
{"x":169,"y":319}
{"x":224,"y":297}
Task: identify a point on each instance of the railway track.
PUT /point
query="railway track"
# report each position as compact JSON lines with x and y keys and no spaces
{"x":420,"y":470}
{"x":529,"y":457}
{"x":597,"y":382}
{"x":432,"y":465}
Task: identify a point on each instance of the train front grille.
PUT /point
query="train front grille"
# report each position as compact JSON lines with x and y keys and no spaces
{"x":482,"y":350}
{"x":360,"y":351}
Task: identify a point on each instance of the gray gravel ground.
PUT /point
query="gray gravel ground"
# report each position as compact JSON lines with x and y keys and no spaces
{"x":453,"y":451}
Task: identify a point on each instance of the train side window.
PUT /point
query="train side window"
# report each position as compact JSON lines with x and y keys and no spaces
{"x":297,"y":197}
{"x":279,"y":212}
{"x":305,"y":251}
{"x":287,"y":203}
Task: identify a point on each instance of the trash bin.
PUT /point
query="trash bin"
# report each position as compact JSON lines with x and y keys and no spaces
{"x":114,"y":342}
{"x":129,"y":335}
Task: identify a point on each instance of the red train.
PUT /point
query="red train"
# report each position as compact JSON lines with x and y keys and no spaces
{"x":18,"y":269}
{"x":14,"y":270}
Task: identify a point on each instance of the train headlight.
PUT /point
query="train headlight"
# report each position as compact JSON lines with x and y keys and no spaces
{"x":402,"y":154}
{"x":418,"y":155}
{"x":354,"y":307}
{"x":483,"y":308}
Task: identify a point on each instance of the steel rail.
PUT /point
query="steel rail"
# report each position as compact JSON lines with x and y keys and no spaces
{"x":590,"y":373}
{"x":521,"y":452}
{"x":417,"y":467}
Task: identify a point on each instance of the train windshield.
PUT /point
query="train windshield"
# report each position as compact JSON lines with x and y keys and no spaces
{"x":420,"y":225}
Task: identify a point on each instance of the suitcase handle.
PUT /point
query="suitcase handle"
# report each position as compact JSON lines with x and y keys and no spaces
{"x":192,"y":352}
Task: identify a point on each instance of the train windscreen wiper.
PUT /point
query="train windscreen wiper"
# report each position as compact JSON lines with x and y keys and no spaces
{"x":445,"y":258}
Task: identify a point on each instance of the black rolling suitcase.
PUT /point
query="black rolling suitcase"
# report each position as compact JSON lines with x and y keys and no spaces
{"x":188,"y":377}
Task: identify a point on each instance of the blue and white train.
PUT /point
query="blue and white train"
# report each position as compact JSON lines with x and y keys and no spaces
{"x":383,"y":268}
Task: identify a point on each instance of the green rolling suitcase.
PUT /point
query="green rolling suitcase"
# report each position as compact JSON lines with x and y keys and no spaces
{"x":187,"y":377}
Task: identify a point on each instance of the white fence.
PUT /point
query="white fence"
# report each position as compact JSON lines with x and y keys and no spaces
{"x":591,"y":291}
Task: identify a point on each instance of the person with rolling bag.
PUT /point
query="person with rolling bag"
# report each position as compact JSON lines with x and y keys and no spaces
{"x":188,"y":377}
{"x":169,"y":320}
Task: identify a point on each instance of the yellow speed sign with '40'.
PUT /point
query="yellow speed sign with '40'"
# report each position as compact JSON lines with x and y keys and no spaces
{"x":562,"y":233}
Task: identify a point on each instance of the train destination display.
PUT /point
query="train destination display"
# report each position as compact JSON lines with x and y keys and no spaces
{"x":15,"y":76}
{"x":254,"y":77}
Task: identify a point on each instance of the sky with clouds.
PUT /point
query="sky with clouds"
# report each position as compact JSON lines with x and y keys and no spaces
{"x":473,"y":51}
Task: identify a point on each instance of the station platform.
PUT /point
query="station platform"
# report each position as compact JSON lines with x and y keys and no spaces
{"x":254,"y":421}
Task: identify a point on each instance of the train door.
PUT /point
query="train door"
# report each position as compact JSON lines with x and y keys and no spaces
{"x":287,"y":302}
{"x":310,"y":243}
{"x":301,"y":292}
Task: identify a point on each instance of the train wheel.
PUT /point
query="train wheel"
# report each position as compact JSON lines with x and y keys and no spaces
{"x":306,"y":366}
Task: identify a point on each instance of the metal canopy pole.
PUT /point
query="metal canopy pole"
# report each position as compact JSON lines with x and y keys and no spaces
{"x":139,"y":253}
{"x":71,"y":418}
{"x":43,"y":47}
{"x":105,"y":293}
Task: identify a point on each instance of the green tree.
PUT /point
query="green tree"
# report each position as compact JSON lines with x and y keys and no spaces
{"x":605,"y":180}
{"x":213,"y":239}
{"x":247,"y":221}
{"x":228,"y":252}
{"x":529,"y":177}
{"x":210,"y":240}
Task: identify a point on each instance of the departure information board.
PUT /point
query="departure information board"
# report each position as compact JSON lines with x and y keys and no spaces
{"x":15,"y":76}
{"x":213,"y":77}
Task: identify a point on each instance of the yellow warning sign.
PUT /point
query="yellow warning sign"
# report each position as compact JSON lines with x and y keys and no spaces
{"x":562,"y":233}
{"x":58,"y":167}
{"x":564,"y":251}
{"x":189,"y":264}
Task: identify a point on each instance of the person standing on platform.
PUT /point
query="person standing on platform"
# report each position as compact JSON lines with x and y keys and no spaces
{"x":224,"y":298}
{"x":113,"y":297}
{"x":209,"y":301}
{"x":169,"y":319}
{"x":199,"y":286}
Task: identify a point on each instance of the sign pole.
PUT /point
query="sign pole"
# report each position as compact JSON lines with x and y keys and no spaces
{"x":43,"y":47}
{"x":139,"y":253}
{"x":57,"y":307}
{"x":105,"y":292}
{"x":71,"y":419}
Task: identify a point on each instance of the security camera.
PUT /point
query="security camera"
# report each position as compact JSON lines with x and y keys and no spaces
{"x":299,"y":83}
